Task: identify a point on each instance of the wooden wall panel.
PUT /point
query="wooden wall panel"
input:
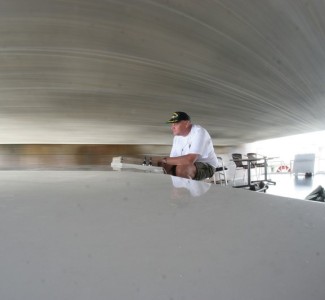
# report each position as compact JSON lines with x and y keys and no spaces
{"x":72,"y":156}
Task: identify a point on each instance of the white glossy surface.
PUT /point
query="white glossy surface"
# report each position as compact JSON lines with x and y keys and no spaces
{"x":120,"y":235}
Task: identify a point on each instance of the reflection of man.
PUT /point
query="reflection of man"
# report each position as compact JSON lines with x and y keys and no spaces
{"x":196,"y":188}
{"x":192,"y":155}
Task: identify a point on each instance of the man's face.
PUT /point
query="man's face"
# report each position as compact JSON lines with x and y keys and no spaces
{"x":180,"y":128}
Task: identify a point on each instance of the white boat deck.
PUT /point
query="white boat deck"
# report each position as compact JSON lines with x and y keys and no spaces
{"x":121,"y":235}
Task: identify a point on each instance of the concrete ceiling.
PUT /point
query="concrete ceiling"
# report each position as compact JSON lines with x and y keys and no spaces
{"x":105,"y":71}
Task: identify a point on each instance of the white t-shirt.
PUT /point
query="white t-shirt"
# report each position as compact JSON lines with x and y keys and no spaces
{"x":198,"y":141}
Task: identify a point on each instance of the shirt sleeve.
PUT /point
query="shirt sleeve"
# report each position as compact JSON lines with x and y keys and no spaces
{"x":198,"y":142}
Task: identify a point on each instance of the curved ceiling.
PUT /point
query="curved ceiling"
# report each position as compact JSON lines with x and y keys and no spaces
{"x":101,"y":71}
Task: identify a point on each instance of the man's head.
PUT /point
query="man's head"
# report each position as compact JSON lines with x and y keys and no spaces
{"x":180,"y":123}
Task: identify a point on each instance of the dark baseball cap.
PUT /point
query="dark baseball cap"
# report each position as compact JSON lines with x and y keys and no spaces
{"x":179,"y":116}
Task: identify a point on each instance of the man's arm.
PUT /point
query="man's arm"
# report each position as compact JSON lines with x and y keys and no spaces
{"x":188,"y":159}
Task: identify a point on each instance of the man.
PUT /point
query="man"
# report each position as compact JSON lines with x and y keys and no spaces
{"x":192,"y":154}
